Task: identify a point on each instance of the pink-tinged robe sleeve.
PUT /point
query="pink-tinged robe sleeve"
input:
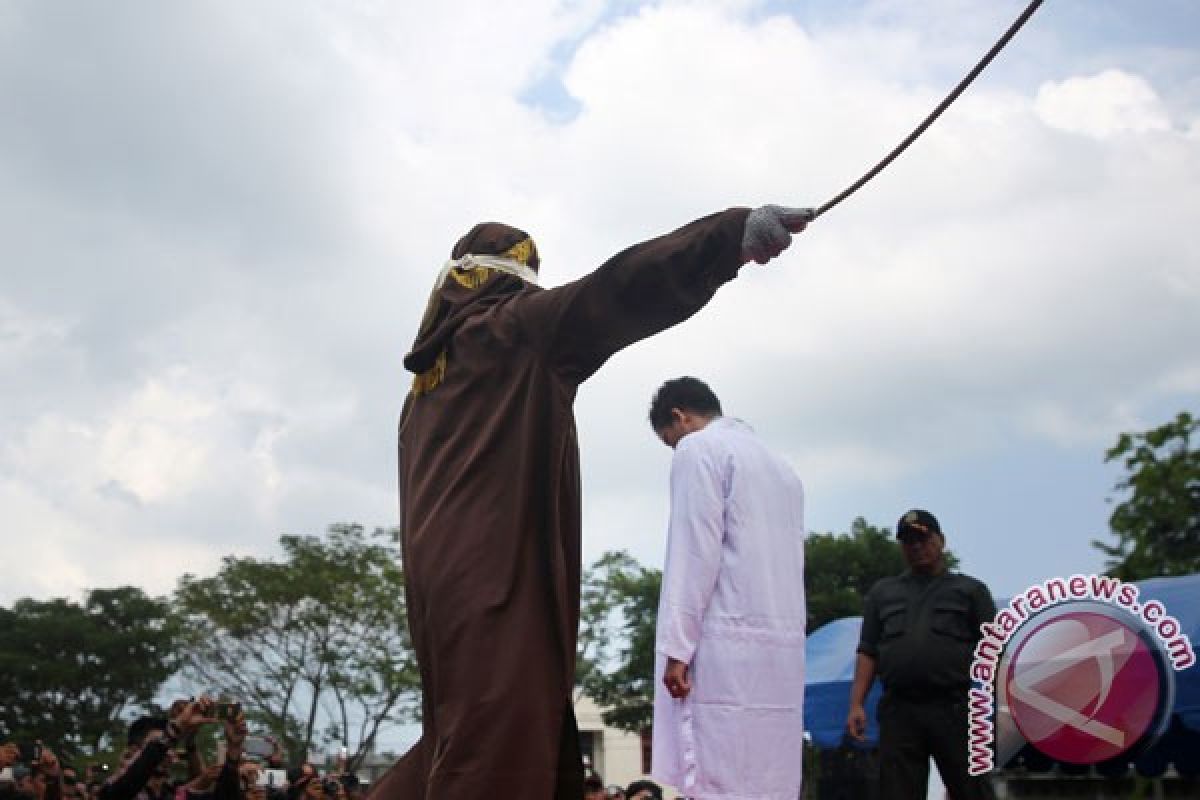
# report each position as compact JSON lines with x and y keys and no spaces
{"x":694,"y":539}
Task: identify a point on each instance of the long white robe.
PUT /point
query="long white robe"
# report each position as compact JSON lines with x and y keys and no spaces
{"x":732,"y":607}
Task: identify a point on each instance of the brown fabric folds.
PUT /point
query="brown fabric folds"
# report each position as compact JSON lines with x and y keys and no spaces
{"x":428,"y":356}
{"x":490,"y":504}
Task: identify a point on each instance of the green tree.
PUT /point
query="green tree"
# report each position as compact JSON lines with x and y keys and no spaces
{"x":618,"y":617}
{"x":840,"y":568}
{"x":1157,"y":524}
{"x":70,"y":674}
{"x":314,"y":646}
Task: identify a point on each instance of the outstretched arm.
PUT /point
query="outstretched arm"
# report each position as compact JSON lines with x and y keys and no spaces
{"x":649,"y":287}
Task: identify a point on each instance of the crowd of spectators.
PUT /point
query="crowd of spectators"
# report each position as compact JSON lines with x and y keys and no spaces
{"x":161,"y":761}
{"x":594,"y":789}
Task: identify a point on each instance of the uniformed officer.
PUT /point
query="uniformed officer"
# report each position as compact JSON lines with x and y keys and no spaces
{"x":918,"y":634}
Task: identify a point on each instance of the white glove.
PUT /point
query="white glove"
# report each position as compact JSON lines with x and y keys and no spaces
{"x":769,"y":231}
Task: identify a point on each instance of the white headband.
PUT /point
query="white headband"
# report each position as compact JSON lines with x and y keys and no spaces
{"x":499,"y":263}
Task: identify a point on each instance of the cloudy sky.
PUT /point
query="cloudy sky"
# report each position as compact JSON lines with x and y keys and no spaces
{"x":219,"y":222}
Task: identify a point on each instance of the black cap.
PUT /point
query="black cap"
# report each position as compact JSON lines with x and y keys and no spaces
{"x":917,"y":520}
{"x":142,"y":726}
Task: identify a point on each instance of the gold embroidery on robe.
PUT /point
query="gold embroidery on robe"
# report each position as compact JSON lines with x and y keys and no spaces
{"x":472,"y":277}
{"x":428,"y":380}
{"x":520,"y":252}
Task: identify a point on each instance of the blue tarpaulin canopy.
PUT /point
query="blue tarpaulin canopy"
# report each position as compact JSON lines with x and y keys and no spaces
{"x":830,"y":671}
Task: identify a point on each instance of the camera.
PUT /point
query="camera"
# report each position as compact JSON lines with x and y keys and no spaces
{"x":272,"y":778}
{"x":258,"y":747}
{"x":228,"y":711}
{"x":31,"y":753}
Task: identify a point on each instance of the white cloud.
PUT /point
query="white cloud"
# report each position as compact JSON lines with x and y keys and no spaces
{"x":1062,"y":425}
{"x":155,"y":446}
{"x":24,"y":336}
{"x":40,"y":546}
{"x":218,"y":240}
{"x":1103,"y":105}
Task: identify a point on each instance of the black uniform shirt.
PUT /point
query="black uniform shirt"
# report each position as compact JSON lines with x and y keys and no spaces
{"x":921,"y":630}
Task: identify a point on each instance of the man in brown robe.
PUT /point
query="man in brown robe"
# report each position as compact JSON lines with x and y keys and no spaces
{"x":490,"y":494}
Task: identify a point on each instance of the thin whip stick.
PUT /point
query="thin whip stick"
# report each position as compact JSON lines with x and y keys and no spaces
{"x":937,"y":112}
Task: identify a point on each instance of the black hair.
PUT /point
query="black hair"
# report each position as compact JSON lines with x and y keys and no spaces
{"x":686,"y":394}
{"x":638,"y":786}
{"x":141,"y":727}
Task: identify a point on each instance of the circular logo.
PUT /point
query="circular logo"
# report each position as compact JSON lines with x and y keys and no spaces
{"x":1086,"y":686}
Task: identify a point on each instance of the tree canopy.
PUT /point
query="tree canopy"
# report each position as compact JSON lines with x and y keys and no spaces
{"x":619,"y":604}
{"x":70,"y":673}
{"x":840,"y":568}
{"x":1157,"y":523}
{"x":315,"y":646}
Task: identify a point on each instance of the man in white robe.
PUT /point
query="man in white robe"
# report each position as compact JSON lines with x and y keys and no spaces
{"x":729,"y":688}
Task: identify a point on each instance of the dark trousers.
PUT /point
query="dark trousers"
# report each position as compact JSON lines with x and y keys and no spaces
{"x":910,"y":731}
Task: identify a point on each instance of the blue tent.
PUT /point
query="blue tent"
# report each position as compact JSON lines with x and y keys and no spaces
{"x":830,"y":670}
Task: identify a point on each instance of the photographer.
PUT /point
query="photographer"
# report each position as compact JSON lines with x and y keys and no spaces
{"x":73,"y":789}
{"x":9,"y":753}
{"x":158,"y":785}
{"x":147,"y":758}
{"x":191,"y":752}
{"x":47,"y":776}
{"x":248,"y":775}
{"x":200,"y":786}
{"x":229,"y":781}
{"x":222,"y":781}
{"x":305,"y":784}
{"x":34,"y":770}
{"x":351,"y":786}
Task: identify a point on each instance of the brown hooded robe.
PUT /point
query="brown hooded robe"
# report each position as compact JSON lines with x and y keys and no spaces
{"x":490,"y":500}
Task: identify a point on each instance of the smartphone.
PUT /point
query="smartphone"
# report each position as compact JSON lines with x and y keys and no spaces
{"x":228,"y":711}
{"x":30,"y":753}
{"x":258,"y":746}
{"x":272,"y":778}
